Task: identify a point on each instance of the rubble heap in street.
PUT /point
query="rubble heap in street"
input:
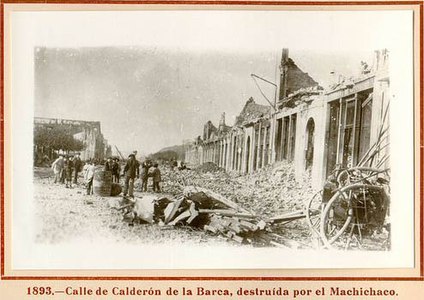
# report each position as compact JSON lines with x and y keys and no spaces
{"x":244,"y":209}
{"x":269,"y":191}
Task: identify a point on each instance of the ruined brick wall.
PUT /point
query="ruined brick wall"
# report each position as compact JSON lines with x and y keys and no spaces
{"x":251,"y":111}
{"x":292,"y":78}
{"x":297,"y":79}
{"x":259,"y":136}
{"x":208,"y":130}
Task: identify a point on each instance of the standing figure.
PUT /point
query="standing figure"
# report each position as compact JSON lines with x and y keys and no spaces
{"x":156,"y":178}
{"x":131,"y":172}
{"x":57,"y":168}
{"x":77,"y":166}
{"x":116,"y":170}
{"x":63,"y":173}
{"x":89,"y":176}
{"x":108,"y":164}
{"x":145,"y":175}
{"x":87,"y":163}
{"x":69,"y":167}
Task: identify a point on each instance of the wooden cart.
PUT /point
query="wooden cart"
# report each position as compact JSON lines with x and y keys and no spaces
{"x":356,"y":212}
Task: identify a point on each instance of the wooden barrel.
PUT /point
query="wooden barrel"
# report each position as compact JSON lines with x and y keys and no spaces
{"x":116,"y":189}
{"x":102,"y":183}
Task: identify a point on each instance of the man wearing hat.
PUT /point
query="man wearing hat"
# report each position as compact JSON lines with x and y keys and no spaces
{"x":108,"y":164}
{"x":116,"y":170}
{"x":131,"y":172}
{"x":145,"y":174}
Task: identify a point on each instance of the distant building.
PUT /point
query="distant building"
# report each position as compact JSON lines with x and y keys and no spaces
{"x":95,"y":145}
{"x":312,"y":128}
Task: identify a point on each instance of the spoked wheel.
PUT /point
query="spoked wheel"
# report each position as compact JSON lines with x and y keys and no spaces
{"x":364,"y":175}
{"x":352,"y":215}
{"x":313,"y":212}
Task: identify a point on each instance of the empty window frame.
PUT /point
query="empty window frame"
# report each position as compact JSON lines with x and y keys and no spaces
{"x":278,"y":139}
{"x":286,"y":125}
{"x":331,"y":142}
{"x":352,"y":133}
{"x":365,"y":126}
{"x":293,"y":120}
{"x":348,"y":133}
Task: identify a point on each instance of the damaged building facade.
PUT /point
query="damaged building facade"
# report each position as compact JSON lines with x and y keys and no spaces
{"x":313,"y":129}
{"x":95,"y":146}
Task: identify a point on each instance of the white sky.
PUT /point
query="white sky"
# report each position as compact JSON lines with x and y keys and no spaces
{"x":319,"y":42}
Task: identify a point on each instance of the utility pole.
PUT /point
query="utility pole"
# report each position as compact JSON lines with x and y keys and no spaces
{"x":274,"y":106}
{"x":254,"y":77}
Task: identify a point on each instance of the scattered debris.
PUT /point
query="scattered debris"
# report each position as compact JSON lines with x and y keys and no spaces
{"x":208,"y":167}
{"x":204,"y":209}
{"x":263,"y":209}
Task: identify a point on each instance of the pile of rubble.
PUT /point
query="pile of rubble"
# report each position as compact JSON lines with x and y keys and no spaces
{"x":267,"y":192}
{"x":206,"y":210}
{"x":244,"y":208}
{"x":209,"y":167}
{"x":303,"y":95}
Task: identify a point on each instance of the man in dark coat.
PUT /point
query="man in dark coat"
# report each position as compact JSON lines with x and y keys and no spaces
{"x":108,"y":164}
{"x":69,"y":167}
{"x":131,"y":171}
{"x":116,"y":169}
{"x":145,"y":175}
{"x":156,"y":178}
{"x":77,"y":166}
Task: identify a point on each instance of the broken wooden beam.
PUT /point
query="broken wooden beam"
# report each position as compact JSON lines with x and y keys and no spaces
{"x":171,"y":210}
{"x":299,"y":214}
{"x":180,"y":217}
{"x":227,"y":213}
{"x":204,"y":196}
{"x":193,"y":213}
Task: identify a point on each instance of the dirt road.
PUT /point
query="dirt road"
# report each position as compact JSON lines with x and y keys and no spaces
{"x":66,"y":214}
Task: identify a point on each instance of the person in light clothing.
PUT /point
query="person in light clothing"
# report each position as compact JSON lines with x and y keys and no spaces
{"x":89,"y":176}
{"x":57,"y":168}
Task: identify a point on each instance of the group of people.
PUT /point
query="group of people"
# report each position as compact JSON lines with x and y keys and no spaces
{"x":66,"y":169}
{"x":132,"y":172}
{"x":112,"y":165}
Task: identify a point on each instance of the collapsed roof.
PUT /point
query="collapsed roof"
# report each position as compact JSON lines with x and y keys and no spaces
{"x":251,"y":111}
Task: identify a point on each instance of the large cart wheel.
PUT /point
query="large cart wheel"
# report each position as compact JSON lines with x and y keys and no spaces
{"x":364,"y":175}
{"x":352,"y":214}
{"x":313,"y":210}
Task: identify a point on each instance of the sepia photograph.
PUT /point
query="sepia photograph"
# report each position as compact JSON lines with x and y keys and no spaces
{"x":300,"y":165}
{"x":209,"y":133}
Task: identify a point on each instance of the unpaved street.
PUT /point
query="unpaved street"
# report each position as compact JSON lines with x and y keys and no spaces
{"x":66,"y":215}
